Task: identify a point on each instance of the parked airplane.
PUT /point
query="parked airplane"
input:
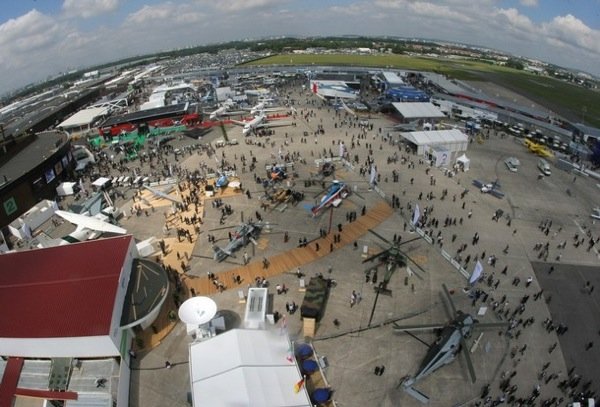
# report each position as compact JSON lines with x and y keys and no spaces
{"x":259,"y":121}
{"x":277,"y":173}
{"x":337,"y":190}
{"x":262,"y":106}
{"x":88,"y":228}
{"x":164,"y":195}
{"x":223,"y":110}
{"x":492,"y":188}
{"x":450,"y":341}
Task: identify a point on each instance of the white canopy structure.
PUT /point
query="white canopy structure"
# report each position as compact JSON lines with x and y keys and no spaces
{"x":464,"y":161}
{"x":245,"y":368}
{"x":454,"y":140}
{"x":84,"y":119}
{"x":418,"y":110}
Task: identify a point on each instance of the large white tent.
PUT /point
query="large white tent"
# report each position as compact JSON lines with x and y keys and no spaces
{"x":418,"y":110}
{"x":453,"y":142}
{"x":244,"y":367}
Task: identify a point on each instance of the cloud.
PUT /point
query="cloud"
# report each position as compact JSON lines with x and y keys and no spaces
{"x":22,"y":36}
{"x":240,"y":5}
{"x":572,"y":31}
{"x":168,"y":13}
{"x":88,"y":8}
{"x":36,"y":45}
{"x":425,"y":9}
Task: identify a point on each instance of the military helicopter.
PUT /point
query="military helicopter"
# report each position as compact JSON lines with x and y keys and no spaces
{"x":326,"y":169}
{"x":393,"y":258}
{"x":241,"y":235}
{"x":450,"y":341}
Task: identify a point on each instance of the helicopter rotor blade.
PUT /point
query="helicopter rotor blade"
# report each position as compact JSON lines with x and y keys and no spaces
{"x":373,"y":257}
{"x":465,"y":352}
{"x":379,"y":236}
{"x":485,"y":325}
{"x":449,"y":299}
{"x":410,"y":240}
{"x":221,"y":228}
{"x":416,"y":327}
{"x":413,"y":262}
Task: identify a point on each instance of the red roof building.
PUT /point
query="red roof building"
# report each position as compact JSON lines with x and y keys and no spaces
{"x":69,"y":295}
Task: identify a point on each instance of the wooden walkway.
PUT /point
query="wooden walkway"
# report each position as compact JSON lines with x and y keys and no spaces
{"x":287,"y":261}
{"x":290,"y":260}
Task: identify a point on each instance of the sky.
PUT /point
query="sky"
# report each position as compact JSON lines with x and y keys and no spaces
{"x":40,"y":38}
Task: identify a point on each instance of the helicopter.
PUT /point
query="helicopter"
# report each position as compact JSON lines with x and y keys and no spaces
{"x":393,"y":258}
{"x":326,"y":169}
{"x":241,"y":235}
{"x":450,"y":341}
{"x":337,"y":191}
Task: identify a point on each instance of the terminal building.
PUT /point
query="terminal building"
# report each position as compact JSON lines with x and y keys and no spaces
{"x":30,"y":170}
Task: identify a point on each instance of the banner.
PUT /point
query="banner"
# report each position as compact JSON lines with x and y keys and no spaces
{"x":373,"y":175}
{"x":441,"y":158}
{"x":416,"y":215}
{"x":476,"y":273}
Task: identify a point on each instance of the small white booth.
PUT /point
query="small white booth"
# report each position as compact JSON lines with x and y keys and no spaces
{"x":463,"y":162}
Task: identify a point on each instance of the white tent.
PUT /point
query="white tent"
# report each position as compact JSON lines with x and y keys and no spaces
{"x":245,"y":367}
{"x":464,"y":161}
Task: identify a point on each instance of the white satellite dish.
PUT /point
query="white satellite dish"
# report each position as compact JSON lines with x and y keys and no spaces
{"x":90,"y":223}
{"x":197,"y":310}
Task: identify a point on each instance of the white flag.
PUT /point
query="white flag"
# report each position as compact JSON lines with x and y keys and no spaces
{"x":416,"y":214}
{"x":476,"y":273}
{"x":373,"y":176}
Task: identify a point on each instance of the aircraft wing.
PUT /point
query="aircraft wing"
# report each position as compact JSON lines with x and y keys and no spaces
{"x":274,"y":123}
{"x":91,"y":223}
{"x":478,"y":184}
{"x":416,"y":327}
{"x":163,"y":195}
{"x":237,"y":122}
{"x":233,"y":113}
{"x":496,"y":193}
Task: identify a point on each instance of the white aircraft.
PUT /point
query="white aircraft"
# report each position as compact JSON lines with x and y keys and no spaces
{"x":262,"y":106}
{"x":88,"y":228}
{"x":164,"y":195}
{"x":222,"y":110}
{"x":259,"y":121}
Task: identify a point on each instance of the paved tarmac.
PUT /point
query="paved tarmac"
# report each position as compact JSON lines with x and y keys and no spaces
{"x":352,"y":356}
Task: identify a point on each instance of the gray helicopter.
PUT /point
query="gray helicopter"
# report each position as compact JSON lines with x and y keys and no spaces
{"x":450,"y":341}
{"x":240,"y":237}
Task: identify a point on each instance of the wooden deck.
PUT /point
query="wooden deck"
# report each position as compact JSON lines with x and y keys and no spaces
{"x":288,"y":261}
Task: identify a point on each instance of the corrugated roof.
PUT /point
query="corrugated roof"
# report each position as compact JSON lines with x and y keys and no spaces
{"x":418,"y":110}
{"x":392,"y":78}
{"x":84,"y":117}
{"x":63,"y":291}
{"x":436,"y":137}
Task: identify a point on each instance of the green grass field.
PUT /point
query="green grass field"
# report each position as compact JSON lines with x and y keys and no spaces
{"x":563,"y":98}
